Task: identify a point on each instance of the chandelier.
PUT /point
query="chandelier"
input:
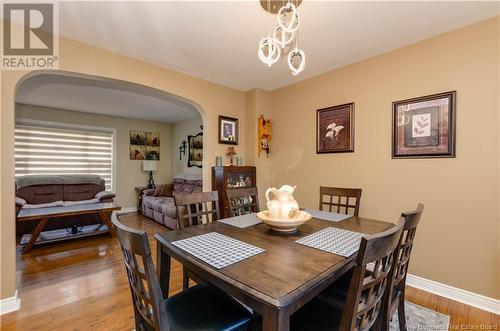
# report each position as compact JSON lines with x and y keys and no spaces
{"x":279,"y":42}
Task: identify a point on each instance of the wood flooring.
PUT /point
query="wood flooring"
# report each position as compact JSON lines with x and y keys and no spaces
{"x":82,"y":285}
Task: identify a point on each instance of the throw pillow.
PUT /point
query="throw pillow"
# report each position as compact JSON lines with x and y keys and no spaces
{"x":160,"y":190}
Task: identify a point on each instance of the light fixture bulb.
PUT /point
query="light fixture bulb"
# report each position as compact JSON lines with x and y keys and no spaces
{"x":291,"y":57}
{"x":269,"y":51}
{"x":283,"y":37}
{"x":288,"y":25}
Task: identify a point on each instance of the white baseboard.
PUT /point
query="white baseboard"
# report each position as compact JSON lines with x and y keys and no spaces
{"x":453,"y":293}
{"x":127,"y":210}
{"x":9,"y":305}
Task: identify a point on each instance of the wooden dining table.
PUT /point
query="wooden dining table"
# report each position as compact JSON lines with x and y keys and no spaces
{"x":275,"y":283}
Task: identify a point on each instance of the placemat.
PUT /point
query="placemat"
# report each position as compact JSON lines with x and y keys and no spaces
{"x":217,"y":249}
{"x":242,"y":221}
{"x":333,"y":240}
{"x":327,"y":216}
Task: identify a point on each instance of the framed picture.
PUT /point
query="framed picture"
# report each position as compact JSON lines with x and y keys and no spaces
{"x":152,"y":153}
{"x":137,"y":138}
{"x":228,"y":130}
{"x":137,"y":152}
{"x":424,"y":127}
{"x":195,"y":150}
{"x":335,"y":129}
{"x":153,"y":139}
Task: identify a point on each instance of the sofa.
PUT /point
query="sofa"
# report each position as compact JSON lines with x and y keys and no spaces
{"x":159,"y":204}
{"x":39,"y":191}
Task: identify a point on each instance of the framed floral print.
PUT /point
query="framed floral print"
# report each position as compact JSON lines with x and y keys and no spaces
{"x":424,"y":127}
{"x":335,"y":129}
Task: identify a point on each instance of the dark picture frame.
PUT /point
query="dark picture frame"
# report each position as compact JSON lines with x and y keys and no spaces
{"x":424,"y":127}
{"x":195,"y":150}
{"x":228,"y":130}
{"x":335,"y":129}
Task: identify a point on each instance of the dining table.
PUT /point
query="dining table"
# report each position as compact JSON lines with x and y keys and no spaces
{"x":274,"y":283}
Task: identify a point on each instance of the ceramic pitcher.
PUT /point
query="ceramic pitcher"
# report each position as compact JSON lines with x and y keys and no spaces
{"x":283,"y":205}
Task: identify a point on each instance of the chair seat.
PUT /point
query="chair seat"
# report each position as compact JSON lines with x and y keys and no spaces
{"x":336,"y":293}
{"x":203,"y":307}
{"x":316,"y":315}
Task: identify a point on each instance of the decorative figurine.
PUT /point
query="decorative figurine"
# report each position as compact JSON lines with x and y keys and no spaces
{"x":230,"y":153}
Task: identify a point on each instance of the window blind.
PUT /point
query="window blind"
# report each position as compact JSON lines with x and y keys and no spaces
{"x":55,"y":151}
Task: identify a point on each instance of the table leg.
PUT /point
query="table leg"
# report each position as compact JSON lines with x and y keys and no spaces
{"x":39,"y":228}
{"x":163,"y":269}
{"x":274,"y":319}
{"x":107,"y":220}
{"x":185,"y":278}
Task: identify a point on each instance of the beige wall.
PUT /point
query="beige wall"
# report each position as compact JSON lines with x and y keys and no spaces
{"x":211,"y":99}
{"x":258,"y":102}
{"x":180,"y":131}
{"x":129,"y":173}
{"x":457,"y":242}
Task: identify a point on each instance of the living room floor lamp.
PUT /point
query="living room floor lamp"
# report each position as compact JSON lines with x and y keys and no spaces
{"x":150,"y":166}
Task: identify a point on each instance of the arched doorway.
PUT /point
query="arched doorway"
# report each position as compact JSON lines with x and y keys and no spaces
{"x":65,"y":92}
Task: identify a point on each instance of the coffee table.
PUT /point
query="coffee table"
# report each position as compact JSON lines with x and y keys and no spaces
{"x":44,"y":215}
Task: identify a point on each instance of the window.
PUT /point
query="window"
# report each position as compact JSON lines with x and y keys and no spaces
{"x":41,"y":150}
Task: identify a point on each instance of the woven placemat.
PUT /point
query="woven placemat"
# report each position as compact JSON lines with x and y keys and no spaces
{"x":333,"y":240}
{"x":242,"y":221}
{"x":217,"y":250}
{"x":327,"y":216}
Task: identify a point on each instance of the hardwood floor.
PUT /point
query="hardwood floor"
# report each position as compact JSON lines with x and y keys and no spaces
{"x":82,"y":285}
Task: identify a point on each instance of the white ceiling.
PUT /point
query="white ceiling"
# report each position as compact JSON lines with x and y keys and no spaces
{"x":103,"y":97}
{"x":217,"y":41}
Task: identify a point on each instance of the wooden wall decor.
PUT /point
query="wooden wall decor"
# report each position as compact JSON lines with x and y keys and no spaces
{"x":264,"y":134}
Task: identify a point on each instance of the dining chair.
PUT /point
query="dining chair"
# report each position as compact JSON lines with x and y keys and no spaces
{"x":201,"y":307}
{"x":395,"y":298}
{"x":340,"y":198}
{"x":196,"y":208}
{"x":365,"y":294}
{"x":243,"y":201}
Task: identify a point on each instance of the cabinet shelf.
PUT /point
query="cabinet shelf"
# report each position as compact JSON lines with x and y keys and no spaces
{"x":231,"y":177}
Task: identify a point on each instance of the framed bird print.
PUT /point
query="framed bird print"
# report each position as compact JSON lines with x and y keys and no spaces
{"x":424,"y":127}
{"x":335,"y":129}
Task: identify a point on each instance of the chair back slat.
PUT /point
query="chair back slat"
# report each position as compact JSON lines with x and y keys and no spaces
{"x":243,"y":201}
{"x":149,"y":308}
{"x":340,"y":200}
{"x":197,"y":208}
{"x":411,"y":220}
{"x":368,"y":287}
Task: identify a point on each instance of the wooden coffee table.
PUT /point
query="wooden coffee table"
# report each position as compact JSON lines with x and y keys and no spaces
{"x":44,"y":215}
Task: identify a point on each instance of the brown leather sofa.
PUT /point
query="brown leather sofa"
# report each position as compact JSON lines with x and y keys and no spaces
{"x":37,"y":191}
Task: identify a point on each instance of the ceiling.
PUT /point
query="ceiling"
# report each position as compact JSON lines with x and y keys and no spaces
{"x":104,"y":97}
{"x":217,"y":41}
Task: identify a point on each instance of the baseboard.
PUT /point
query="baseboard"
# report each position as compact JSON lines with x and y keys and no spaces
{"x":9,"y":305}
{"x":127,"y":210}
{"x":456,"y":294}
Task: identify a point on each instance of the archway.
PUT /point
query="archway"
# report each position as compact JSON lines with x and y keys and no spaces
{"x":55,"y":85}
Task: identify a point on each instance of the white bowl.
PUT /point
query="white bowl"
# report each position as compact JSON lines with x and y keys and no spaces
{"x":284,"y":225}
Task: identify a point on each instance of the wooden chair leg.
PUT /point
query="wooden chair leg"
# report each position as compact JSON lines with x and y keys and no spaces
{"x":185,"y":278}
{"x":401,"y":314}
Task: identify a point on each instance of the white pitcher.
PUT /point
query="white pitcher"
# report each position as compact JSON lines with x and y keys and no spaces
{"x":283,"y":205}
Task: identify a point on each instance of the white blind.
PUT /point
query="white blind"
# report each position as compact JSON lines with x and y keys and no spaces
{"x":53,"y":151}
